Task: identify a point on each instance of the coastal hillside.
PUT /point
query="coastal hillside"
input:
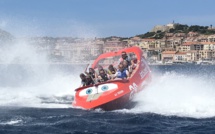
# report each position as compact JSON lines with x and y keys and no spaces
{"x":159,"y":31}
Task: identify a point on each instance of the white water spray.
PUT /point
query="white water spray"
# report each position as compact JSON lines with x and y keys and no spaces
{"x":26,"y":79}
{"x":173,"y":94}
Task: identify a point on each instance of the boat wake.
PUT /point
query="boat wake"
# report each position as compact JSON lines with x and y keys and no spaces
{"x":174,"y":94}
{"x":27,"y":80}
{"x":56,"y":93}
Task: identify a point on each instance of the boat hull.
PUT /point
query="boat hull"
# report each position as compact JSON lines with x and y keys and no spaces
{"x":119,"y":103}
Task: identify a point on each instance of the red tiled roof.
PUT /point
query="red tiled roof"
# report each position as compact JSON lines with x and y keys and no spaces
{"x":207,"y":43}
{"x":135,"y":38}
{"x":169,"y":52}
{"x":181,"y":53}
{"x":190,"y":43}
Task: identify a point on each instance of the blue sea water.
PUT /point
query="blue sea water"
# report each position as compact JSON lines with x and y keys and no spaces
{"x":36,"y":99}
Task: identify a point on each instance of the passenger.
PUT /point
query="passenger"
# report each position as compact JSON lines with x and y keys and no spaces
{"x":86,"y":80}
{"x":101,"y":68}
{"x":121,"y":73}
{"x":135,"y":60}
{"x":90,"y":81}
{"x":91,"y":73}
{"x":102,"y":77}
{"x":124,"y":56}
{"x":133,"y":65}
{"x":132,"y":55}
{"x":111,"y":69}
{"x":83,"y":80}
{"x":125,"y":64}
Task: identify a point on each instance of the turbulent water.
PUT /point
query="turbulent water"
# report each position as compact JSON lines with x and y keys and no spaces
{"x":35,"y":97}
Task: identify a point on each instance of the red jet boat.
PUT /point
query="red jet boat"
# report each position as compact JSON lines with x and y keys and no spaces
{"x":114,"y":94}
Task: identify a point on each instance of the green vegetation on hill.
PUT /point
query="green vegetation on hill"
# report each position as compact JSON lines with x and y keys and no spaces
{"x":179,"y":29}
{"x":153,"y":35}
{"x":193,"y":28}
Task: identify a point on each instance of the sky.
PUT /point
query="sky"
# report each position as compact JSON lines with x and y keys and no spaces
{"x":99,"y":18}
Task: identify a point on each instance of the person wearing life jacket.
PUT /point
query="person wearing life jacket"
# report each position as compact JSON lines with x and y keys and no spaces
{"x":102,"y":77}
{"x":122,"y":72}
